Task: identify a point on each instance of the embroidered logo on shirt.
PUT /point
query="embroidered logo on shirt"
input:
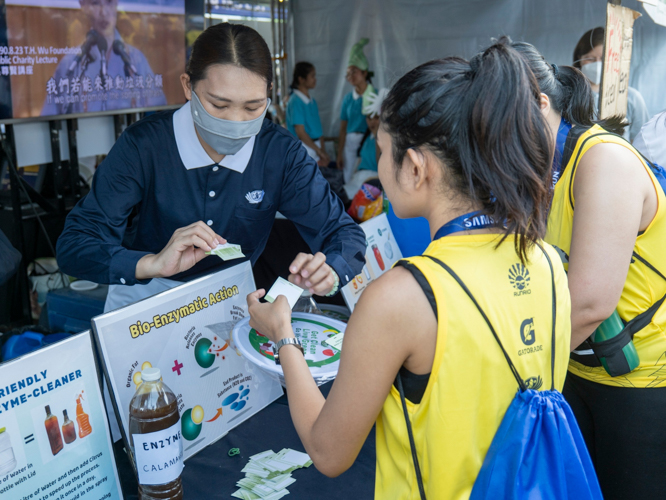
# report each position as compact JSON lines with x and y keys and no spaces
{"x":255,"y":196}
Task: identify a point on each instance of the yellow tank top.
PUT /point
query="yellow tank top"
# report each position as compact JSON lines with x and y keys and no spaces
{"x":471,"y":385}
{"x":642,"y":288}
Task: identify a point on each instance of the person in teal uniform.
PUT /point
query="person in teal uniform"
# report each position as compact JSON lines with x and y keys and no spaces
{"x":352,"y":120}
{"x":368,"y":151}
{"x":303,"y":114}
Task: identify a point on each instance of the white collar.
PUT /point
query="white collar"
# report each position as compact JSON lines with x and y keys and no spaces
{"x":192,"y":153}
{"x":355,"y":94}
{"x":303,"y":97}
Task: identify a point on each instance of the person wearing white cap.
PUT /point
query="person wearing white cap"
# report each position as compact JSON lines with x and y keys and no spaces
{"x":352,"y":120}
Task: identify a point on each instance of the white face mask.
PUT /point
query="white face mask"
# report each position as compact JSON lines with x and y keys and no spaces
{"x":593,"y":72}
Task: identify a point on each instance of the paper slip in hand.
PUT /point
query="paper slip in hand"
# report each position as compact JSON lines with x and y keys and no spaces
{"x":228,"y":251}
{"x":283,"y":287}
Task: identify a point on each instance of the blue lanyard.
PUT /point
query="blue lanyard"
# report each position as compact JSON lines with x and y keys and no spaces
{"x":562,"y":133}
{"x":466,"y":222}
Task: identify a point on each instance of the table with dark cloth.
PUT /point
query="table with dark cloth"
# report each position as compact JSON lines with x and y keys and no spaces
{"x":212,"y":473}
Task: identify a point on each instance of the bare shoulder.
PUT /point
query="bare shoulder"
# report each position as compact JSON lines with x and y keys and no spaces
{"x":613,"y":169}
{"x":396,"y":303}
{"x":610,"y":158}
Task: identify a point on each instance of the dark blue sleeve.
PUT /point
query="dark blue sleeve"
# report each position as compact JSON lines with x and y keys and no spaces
{"x":319,"y":215}
{"x":90,"y":246}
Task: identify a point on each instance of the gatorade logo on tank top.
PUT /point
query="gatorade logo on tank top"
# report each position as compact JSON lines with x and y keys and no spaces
{"x":519,"y":277}
{"x":528,"y":336}
{"x":527,"y":331}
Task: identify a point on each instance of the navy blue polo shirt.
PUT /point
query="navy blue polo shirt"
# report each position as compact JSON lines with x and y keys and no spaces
{"x":150,"y":184}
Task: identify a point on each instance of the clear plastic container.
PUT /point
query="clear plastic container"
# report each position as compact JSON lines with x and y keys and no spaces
{"x":154,"y":426}
{"x":7,"y":458}
{"x":306,"y":304}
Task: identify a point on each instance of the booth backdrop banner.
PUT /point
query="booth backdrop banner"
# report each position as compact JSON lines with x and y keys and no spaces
{"x":380,"y":255}
{"x":406,"y":33}
{"x":44,"y":457}
{"x":51,"y":64}
{"x":186,"y":332}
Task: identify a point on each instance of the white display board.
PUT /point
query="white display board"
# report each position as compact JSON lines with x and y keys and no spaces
{"x":380,"y":255}
{"x":186,"y":332}
{"x":42,"y":455}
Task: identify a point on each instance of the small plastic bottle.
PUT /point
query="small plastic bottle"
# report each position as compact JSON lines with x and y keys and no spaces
{"x":68,"y":430}
{"x":155,"y":438}
{"x":53,"y":431}
{"x":306,"y":304}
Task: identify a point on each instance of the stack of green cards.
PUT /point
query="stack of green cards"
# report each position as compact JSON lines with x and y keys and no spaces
{"x":228,"y":251}
{"x":268,"y":474}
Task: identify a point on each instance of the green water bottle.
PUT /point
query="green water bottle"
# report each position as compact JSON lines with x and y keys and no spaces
{"x":609,"y":329}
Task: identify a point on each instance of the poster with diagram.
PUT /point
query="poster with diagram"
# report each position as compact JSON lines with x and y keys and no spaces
{"x":380,"y":255}
{"x":187,"y":332}
{"x":54,"y":435}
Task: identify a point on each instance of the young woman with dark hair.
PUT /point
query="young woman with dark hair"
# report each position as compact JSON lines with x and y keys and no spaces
{"x":303,"y":113}
{"x":608,"y":218}
{"x":178,"y":183}
{"x":456,"y":137}
{"x":588,"y":57}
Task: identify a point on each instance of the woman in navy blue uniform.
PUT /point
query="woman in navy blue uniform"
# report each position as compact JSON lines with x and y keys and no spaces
{"x":178,"y":183}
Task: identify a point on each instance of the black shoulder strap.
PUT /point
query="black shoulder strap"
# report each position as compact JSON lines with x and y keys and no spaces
{"x":427,"y":290}
{"x":516,"y":375}
{"x":645,"y":318}
{"x":552,"y":345}
{"x":570,"y":143}
{"x":412,"y":444}
{"x":638,"y":257}
{"x":580,"y":151}
{"x":422,"y":281}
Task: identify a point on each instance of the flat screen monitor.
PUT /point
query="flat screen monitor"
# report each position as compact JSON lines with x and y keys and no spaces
{"x":67,"y":58}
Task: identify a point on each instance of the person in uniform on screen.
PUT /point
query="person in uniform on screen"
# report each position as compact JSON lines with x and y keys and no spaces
{"x":108,"y":74}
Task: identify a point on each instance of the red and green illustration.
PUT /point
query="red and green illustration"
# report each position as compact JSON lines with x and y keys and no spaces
{"x":312,"y":335}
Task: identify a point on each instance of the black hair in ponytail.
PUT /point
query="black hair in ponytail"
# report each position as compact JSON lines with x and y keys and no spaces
{"x":301,"y":70}
{"x":482,"y":119}
{"x":567,"y":88}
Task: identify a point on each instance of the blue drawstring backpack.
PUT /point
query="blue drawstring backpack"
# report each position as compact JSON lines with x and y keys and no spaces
{"x":538,"y":451}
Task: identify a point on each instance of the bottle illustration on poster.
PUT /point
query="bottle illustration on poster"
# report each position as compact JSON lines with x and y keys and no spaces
{"x":7,"y":457}
{"x":82,"y":418}
{"x":378,"y":257}
{"x":53,"y":431}
{"x":68,"y":430}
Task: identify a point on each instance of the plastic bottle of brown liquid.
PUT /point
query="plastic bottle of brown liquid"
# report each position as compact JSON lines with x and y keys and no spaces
{"x":155,"y":438}
{"x":53,"y":431}
{"x":82,"y":418}
{"x":68,"y":430}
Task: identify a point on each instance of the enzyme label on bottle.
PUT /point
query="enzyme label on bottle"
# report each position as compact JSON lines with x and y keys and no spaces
{"x":159,"y":455}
